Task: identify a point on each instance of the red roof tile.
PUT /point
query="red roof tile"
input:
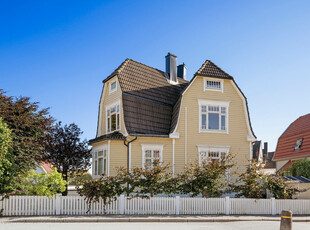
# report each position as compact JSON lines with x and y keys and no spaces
{"x":300,"y":128}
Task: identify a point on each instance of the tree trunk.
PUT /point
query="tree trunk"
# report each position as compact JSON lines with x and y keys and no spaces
{"x":65,"y":177}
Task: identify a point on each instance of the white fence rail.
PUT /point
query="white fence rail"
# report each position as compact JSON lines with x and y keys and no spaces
{"x":76,"y":205}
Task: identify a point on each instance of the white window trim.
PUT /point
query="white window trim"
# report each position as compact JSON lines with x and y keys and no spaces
{"x":159,"y":147}
{"x":214,"y":103}
{"x":207,"y":148}
{"x":210,"y":148}
{"x":97,"y":150}
{"x":106,"y":118}
{"x":110,"y":85}
{"x":213,"y":89}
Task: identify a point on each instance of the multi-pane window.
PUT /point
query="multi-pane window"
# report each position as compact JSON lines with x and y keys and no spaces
{"x":113,"y":87}
{"x":100,"y":162}
{"x":213,"y":85}
{"x":150,"y":154}
{"x":213,"y":117}
{"x":211,"y":154}
{"x":113,"y":118}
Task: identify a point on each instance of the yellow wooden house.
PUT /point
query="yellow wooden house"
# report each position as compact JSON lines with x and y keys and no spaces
{"x":147,"y":114}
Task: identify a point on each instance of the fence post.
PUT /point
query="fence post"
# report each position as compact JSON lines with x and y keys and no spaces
{"x":58,"y":203}
{"x":122,"y":204}
{"x":177,"y":205}
{"x":273,"y":206}
{"x":227,"y":204}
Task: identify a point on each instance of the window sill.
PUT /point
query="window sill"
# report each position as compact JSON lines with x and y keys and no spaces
{"x":213,"y":131}
{"x":118,"y":130}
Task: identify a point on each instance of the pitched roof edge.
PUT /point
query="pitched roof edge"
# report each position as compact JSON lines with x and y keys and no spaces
{"x":117,"y":70}
{"x":209,"y":61}
{"x":247,"y":107}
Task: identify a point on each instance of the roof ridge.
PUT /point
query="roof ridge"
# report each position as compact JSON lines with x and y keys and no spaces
{"x":209,"y":61}
{"x":294,"y":133}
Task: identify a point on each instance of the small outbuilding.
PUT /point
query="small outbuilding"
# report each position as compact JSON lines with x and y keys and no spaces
{"x":301,"y":183}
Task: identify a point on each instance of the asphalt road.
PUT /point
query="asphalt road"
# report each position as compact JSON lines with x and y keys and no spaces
{"x":246,"y":225}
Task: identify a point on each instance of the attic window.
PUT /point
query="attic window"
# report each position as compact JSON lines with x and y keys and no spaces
{"x":298,"y":144}
{"x":213,"y":85}
{"x":113,"y":86}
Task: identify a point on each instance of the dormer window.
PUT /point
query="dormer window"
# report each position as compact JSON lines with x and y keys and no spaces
{"x":213,"y":85}
{"x":113,"y":86}
{"x":298,"y":144}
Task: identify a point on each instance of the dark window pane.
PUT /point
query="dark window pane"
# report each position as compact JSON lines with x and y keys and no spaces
{"x":203,"y":121}
{"x":223,"y":123}
{"x":113,"y":122}
{"x":213,"y":121}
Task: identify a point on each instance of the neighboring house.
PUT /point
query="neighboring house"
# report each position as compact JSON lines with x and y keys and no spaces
{"x":294,"y":144}
{"x":44,"y":167}
{"x":169,"y":118}
{"x":261,"y":155}
{"x":258,"y":151}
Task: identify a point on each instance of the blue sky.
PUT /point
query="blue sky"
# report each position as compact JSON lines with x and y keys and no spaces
{"x":58,"y":52}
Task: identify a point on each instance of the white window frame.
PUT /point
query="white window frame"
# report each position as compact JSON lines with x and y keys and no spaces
{"x":118,"y":125}
{"x":202,"y":102}
{"x":152,"y":147}
{"x":221,"y":81}
{"x":210,"y":148}
{"x":110,"y":86}
{"x":95,"y":159}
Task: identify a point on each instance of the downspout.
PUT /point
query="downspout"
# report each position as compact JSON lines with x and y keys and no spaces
{"x":127,"y":144}
{"x":173,"y":155}
{"x":185,"y":136}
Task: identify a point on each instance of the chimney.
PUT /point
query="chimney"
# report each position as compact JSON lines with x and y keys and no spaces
{"x":265,"y":151}
{"x":171,"y":67}
{"x":182,"y":71}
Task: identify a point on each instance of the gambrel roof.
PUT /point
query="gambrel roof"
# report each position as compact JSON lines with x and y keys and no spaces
{"x":150,"y":103}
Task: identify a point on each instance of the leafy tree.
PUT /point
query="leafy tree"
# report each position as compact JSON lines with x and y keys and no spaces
{"x":300,"y":168}
{"x":66,"y":151}
{"x":251,"y":182}
{"x":41,"y":184}
{"x":105,"y":188}
{"x":28,"y":126}
{"x":208,"y":178}
{"x":151,"y":180}
{"x":6,"y":158}
{"x":78,"y":177}
{"x":277,"y":185}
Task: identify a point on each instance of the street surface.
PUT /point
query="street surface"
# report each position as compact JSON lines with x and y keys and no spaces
{"x":246,"y":225}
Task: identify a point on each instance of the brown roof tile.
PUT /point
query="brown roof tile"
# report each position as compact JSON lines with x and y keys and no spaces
{"x":110,"y":136}
{"x":209,"y":69}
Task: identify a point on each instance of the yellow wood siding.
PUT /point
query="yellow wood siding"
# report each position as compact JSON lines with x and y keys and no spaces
{"x":236,"y":138}
{"x":108,"y":99}
{"x":238,"y":130}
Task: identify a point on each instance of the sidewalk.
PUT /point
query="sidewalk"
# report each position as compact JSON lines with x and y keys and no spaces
{"x":132,"y":218}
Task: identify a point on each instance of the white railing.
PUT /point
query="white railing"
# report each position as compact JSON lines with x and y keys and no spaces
{"x":76,"y":205}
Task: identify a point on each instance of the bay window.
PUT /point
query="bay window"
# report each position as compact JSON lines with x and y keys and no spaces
{"x":100,"y":159}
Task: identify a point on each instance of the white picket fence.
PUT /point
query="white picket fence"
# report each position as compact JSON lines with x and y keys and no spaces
{"x":76,"y":205}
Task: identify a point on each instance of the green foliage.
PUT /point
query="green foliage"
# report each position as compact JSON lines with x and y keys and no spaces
{"x":28,"y":126}
{"x":105,"y":188}
{"x":208,"y":178}
{"x":41,"y":184}
{"x":277,"y":185}
{"x":66,"y":151}
{"x":6,"y":158}
{"x":300,"y":168}
{"x":150,"y":180}
{"x":251,"y":182}
{"x":78,"y":177}
{"x":254,"y":184}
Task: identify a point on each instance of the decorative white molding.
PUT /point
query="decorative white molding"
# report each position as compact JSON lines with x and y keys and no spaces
{"x":174,"y":135}
{"x":159,"y":147}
